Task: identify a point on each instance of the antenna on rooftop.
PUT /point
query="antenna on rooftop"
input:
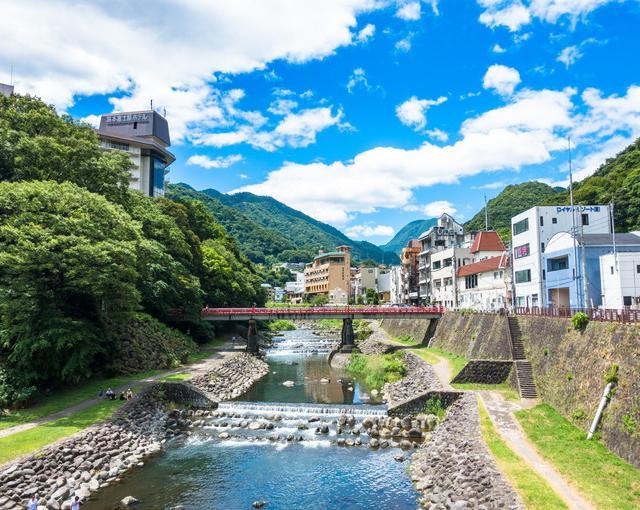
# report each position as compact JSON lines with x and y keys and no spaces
{"x":486,"y":214}
{"x":152,"y":104}
{"x":613,"y":233}
{"x":164,"y":113}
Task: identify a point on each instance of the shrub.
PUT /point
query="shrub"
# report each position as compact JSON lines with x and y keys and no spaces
{"x":15,"y":391}
{"x":281,"y":325}
{"x":434,"y":406}
{"x":579,"y":414}
{"x":612,"y":374}
{"x":580,"y":321}
{"x":376,"y":370}
{"x":629,"y":424}
{"x":406,"y":339}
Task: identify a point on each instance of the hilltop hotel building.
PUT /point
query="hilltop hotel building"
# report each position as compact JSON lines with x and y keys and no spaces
{"x":144,"y":136}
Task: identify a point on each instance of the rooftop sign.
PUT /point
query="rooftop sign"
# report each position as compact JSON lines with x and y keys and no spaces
{"x":127,"y":118}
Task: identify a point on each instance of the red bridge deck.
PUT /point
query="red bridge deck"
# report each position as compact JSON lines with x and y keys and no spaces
{"x":324,"y":312}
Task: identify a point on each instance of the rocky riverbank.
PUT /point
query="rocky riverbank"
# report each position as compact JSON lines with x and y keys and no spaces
{"x":454,"y":469}
{"x":231,"y":379}
{"x":419,"y":379}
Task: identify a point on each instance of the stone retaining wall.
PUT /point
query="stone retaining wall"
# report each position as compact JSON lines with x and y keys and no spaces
{"x":417,"y":404}
{"x":420,"y":377}
{"x":454,"y":469}
{"x":416,"y":328}
{"x":484,"y":372}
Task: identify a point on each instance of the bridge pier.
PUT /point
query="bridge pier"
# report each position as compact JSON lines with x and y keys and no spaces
{"x":347,"y":340}
{"x":252,"y":337}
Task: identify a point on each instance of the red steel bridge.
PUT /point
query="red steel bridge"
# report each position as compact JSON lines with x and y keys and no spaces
{"x":346,"y":313}
{"x":323,"y":312}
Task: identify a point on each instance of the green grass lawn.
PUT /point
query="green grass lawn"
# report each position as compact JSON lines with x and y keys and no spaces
{"x":177,"y":377}
{"x":432,"y":356}
{"x":532,"y":488}
{"x":21,"y":443}
{"x":600,"y":475}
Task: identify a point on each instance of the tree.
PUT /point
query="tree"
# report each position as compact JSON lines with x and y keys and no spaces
{"x":371,"y":297}
{"x":37,"y":144}
{"x":68,"y":272}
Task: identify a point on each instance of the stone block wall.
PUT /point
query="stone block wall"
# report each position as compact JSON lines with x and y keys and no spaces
{"x":416,"y":405}
{"x":569,"y":369}
{"x":473,"y":335}
{"x":416,"y":328}
{"x":484,"y":372}
{"x":184,"y":394}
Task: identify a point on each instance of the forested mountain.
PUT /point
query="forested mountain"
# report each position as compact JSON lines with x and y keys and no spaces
{"x":268,"y":230}
{"x":512,"y":200}
{"x":617,"y":181}
{"x":410,"y":231}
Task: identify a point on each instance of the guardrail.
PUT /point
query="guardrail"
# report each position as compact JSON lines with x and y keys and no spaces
{"x":327,"y":310}
{"x":594,"y":314}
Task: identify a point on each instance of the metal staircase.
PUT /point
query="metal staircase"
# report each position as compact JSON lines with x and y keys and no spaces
{"x":524,"y":371}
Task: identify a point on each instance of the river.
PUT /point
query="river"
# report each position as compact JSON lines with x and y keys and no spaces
{"x":289,"y":463}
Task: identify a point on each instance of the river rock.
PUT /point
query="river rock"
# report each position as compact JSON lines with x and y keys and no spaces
{"x":255,"y":425}
{"x":288,"y":384}
{"x":128,"y":502}
{"x":223,"y":435}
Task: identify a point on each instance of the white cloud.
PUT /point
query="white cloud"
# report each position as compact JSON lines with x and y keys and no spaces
{"x":92,"y":120}
{"x":492,"y":185}
{"x":366,"y":33}
{"x":243,"y":176}
{"x":413,"y":112}
{"x":297,"y":129}
{"x":498,"y":49}
{"x":514,"y":14}
{"x":104,"y":48}
{"x":282,"y":106}
{"x":307,"y":94}
{"x":367,"y":231}
{"x":437,"y":134}
{"x":502,"y":79}
{"x":435,"y":209}
{"x":404,"y":45}
{"x":219,"y":162}
{"x":570,"y":55}
{"x":358,"y":79}
{"x":410,"y":11}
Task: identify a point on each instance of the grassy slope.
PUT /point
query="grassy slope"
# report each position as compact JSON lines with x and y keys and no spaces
{"x":533,"y":489}
{"x":599,"y":474}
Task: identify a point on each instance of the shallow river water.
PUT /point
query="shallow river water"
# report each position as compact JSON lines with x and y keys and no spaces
{"x":308,"y":472}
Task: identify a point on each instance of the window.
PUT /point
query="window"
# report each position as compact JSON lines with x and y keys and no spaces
{"x":521,"y":251}
{"x":439,"y":242}
{"x":437,"y":283}
{"x":585,"y":219}
{"x":626,"y":300}
{"x":447,"y":262}
{"x":638,"y":269}
{"x":542,"y":221}
{"x":612,"y":269}
{"x":436,"y":264}
{"x":544,"y":275}
{"x":135,"y":125}
{"x":554,"y":220}
{"x":156,"y":181}
{"x":448,"y":282}
{"x":471,"y":281}
{"x":523,"y":276}
{"x":521,"y":226}
{"x":558,"y":264}
{"x":542,"y":247}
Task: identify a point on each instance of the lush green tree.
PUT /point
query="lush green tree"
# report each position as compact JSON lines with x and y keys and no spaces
{"x":371,"y":297}
{"x":37,"y":144}
{"x":68,"y":271}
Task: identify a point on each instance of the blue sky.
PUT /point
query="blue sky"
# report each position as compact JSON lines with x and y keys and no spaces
{"x":363,"y":114}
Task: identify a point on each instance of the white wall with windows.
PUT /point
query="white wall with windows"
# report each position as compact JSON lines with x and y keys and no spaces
{"x":620,"y":280}
{"x":531,"y":231}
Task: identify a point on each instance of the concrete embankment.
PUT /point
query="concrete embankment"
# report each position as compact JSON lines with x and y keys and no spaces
{"x":569,"y":366}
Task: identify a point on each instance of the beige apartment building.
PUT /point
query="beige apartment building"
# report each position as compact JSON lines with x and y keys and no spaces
{"x":329,"y":274}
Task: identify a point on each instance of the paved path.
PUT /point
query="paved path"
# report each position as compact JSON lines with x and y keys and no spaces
{"x":218,"y":355}
{"x":501,"y":413}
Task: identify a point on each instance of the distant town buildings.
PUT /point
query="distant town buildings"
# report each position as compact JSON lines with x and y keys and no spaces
{"x":144,"y":136}
{"x":328,"y":274}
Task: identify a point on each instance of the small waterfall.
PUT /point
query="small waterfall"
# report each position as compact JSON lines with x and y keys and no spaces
{"x":285,"y":409}
{"x":300,"y":341}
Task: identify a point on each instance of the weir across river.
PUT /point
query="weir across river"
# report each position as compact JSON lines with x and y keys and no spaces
{"x":346,"y":313}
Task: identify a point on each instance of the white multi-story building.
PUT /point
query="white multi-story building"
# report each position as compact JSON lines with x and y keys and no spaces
{"x":620,"y":280}
{"x":485,"y":285}
{"x":531,"y":232}
{"x":144,"y":137}
{"x":396,"y":285}
{"x":444,"y":263}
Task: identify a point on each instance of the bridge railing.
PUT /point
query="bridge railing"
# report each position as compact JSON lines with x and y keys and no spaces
{"x":327,"y":310}
{"x":595,"y":314}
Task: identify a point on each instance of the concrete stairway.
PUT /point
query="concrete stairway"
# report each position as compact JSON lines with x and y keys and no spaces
{"x":524,"y":371}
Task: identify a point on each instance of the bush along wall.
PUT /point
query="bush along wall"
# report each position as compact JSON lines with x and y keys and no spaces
{"x":572,"y":366}
{"x":145,"y":343}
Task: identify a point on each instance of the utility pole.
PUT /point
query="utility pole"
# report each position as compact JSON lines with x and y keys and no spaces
{"x":486,"y":214}
{"x":613,"y":234}
{"x":574,"y":231}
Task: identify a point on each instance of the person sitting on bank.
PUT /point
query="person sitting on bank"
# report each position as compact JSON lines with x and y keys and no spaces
{"x":123,"y":396}
{"x":110,"y":394}
{"x":129,"y":394}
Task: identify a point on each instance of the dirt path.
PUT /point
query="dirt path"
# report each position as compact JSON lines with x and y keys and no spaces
{"x":501,"y":414}
{"x":218,"y":355}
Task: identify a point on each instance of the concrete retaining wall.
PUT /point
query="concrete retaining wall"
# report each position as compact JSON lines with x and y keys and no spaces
{"x":569,"y":369}
{"x":416,"y":328}
{"x":484,"y":372}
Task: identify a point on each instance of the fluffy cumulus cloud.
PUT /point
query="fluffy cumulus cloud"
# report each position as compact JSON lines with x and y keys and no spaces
{"x":529,"y":129}
{"x":358,"y":79}
{"x":502,"y":79}
{"x":569,"y":55}
{"x":413,"y":112}
{"x":367,"y":231}
{"x":103,"y":48}
{"x":366,"y":33}
{"x":295,"y":129}
{"x":435,"y":209}
{"x":219,"y":162}
{"x":514,"y":14}
{"x":498,"y":49}
{"x":409,"y":11}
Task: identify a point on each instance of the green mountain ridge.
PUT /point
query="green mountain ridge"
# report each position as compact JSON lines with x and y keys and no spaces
{"x":268,"y":230}
{"x":410,"y":231}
